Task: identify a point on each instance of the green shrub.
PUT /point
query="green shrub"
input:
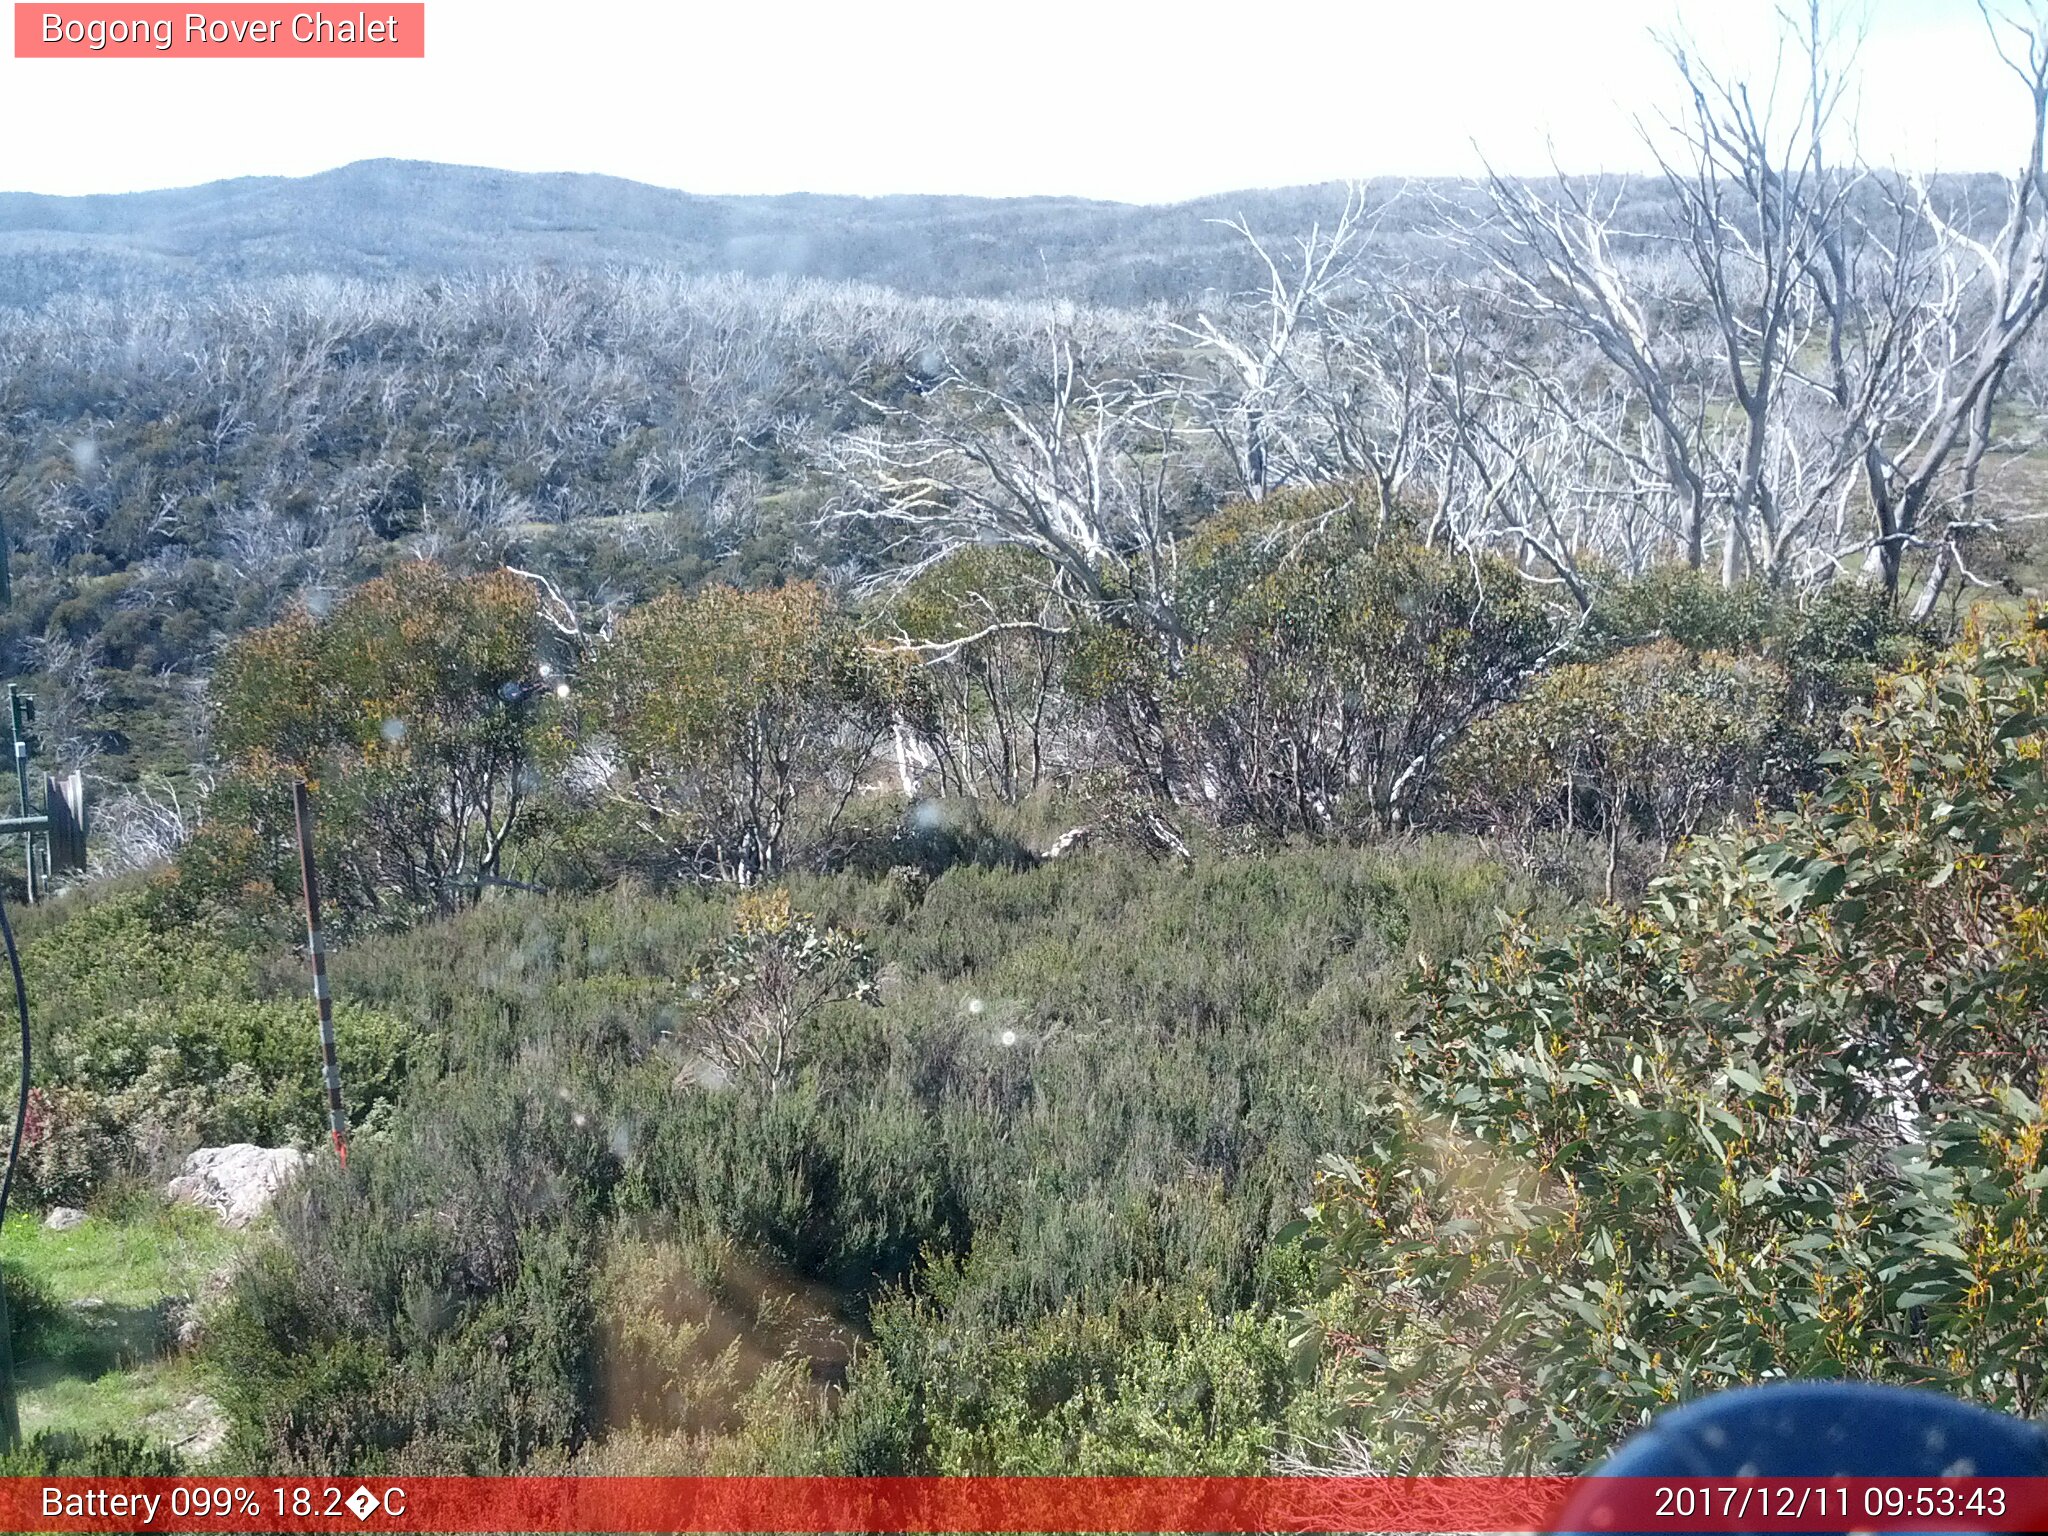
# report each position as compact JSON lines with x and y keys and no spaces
{"x":1152,"y":1384}
{"x":451,"y":1331}
{"x":1833,"y":643}
{"x":56,"y":1453}
{"x":986,"y":700}
{"x":1786,"y":1120}
{"x":1655,"y":742}
{"x":72,"y":1146}
{"x":202,"y":1073}
{"x":1323,"y":663}
{"x":153,"y":1038}
{"x":96,"y":954}
{"x":1094,"y":1078}
{"x":777,"y":972}
{"x":1685,"y":607}
{"x":1838,"y":646}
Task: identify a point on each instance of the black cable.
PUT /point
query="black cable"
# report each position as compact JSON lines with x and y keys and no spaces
{"x":21,"y":1099}
{"x":10,"y":1416}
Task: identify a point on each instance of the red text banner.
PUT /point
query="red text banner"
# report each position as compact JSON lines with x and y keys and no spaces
{"x":1048,"y":1504}
{"x":224,"y":31}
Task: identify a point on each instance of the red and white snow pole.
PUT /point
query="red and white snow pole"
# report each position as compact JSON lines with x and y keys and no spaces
{"x":337,"y":1119}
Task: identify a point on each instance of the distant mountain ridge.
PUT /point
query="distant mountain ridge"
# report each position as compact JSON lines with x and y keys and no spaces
{"x":383,"y":217}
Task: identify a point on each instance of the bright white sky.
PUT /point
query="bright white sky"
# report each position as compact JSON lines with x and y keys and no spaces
{"x":1145,"y":100}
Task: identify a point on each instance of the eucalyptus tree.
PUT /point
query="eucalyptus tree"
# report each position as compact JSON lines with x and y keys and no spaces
{"x":733,"y":721}
{"x":416,"y":709}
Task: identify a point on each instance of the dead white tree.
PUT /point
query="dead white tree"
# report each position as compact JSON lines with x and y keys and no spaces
{"x":1250,"y":392}
{"x":1321,"y":373}
{"x":1816,"y":371}
{"x":143,"y":825}
{"x":1993,"y":292}
{"x":1083,"y":469}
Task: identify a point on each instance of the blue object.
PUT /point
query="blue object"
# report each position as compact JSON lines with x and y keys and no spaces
{"x":1825,"y":1429}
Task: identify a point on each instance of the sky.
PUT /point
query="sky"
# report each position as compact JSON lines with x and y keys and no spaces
{"x":1134,"y":100}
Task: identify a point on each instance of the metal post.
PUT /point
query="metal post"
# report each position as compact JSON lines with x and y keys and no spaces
{"x":21,"y":710}
{"x":10,"y":1413}
{"x":302,"y":810}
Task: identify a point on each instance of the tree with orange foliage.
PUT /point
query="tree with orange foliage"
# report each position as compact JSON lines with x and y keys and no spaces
{"x":416,"y":709}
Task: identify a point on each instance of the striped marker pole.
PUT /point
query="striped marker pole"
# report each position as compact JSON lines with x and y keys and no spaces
{"x":337,"y":1120}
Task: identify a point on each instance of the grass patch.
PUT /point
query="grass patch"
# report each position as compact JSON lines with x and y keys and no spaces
{"x":108,"y":1363}
{"x":132,"y":1263}
{"x":160,"y":1400}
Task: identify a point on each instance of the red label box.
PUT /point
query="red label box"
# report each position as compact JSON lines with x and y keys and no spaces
{"x":988,"y":1506}
{"x":225,"y":31}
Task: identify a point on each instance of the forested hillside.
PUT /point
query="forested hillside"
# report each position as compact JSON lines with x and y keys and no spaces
{"x":1034,"y":838}
{"x":381,"y":219}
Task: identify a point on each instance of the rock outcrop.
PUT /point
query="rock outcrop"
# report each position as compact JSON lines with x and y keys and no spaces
{"x":238,"y":1182}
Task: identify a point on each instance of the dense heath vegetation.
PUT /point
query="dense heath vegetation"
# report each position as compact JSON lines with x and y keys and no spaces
{"x":1394,"y":870}
{"x":938,"y":1155}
